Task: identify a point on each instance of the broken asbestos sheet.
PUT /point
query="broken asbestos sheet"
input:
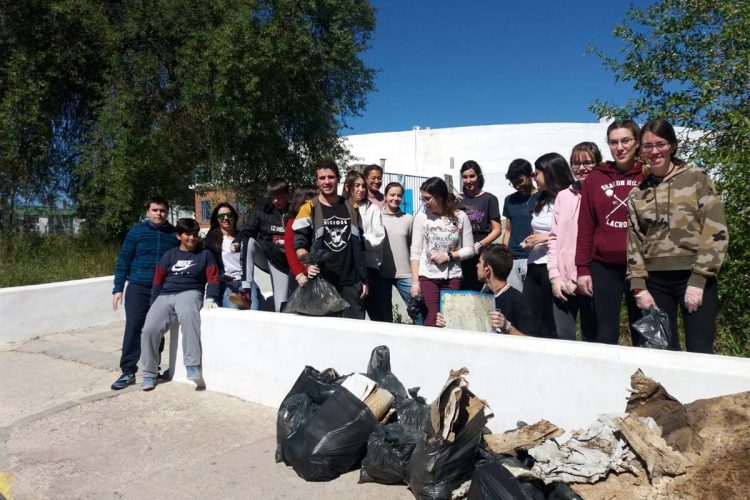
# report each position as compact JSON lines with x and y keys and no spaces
{"x":586,"y":457}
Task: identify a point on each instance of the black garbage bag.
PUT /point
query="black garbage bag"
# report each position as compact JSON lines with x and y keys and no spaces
{"x":531,"y":489}
{"x":414,"y":412}
{"x":416,"y":307}
{"x":653,"y":328}
{"x":318,"y":297}
{"x":316,"y":384}
{"x":332,"y":440}
{"x":293,"y":411}
{"x":309,"y":391}
{"x":492,"y":481}
{"x":437,"y":467}
{"x":379,"y":370}
{"x":389,"y":450}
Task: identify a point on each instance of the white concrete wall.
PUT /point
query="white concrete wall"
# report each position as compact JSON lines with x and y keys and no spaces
{"x":428,"y":152}
{"x":257,"y":356}
{"x":30,"y":311}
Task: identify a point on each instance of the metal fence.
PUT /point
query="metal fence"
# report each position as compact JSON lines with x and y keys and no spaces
{"x":411,"y":183}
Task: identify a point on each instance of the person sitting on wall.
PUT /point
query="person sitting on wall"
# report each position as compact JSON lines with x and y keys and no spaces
{"x":262,"y":245}
{"x":513,"y":314}
{"x":177,"y":293}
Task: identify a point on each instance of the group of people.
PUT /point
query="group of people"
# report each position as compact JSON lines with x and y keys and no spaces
{"x":579,"y":236}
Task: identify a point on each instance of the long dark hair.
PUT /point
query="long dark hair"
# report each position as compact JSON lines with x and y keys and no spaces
{"x":351,"y":178}
{"x":557,"y":177}
{"x":472,"y":165}
{"x":299,"y":197}
{"x":437,"y":188}
{"x":665,"y":130}
{"x":214,"y":236}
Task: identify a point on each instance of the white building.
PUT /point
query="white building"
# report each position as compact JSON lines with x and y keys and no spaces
{"x":427,"y":152}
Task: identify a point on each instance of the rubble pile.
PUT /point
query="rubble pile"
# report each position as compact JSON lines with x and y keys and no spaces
{"x":329,"y":424}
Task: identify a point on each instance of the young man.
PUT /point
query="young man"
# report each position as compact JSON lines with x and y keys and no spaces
{"x":179,"y":282}
{"x":144,"y":245}
{"x":262,"y":243}
{"x":374,"y":179}
{"x":331,"y":224}
{"x":513,"y":314}
{"x":517,"y":213}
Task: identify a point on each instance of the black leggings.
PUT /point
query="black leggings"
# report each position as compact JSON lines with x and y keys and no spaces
{"x":609,"y":286}
{"x":668,"y":290}
{"x":537,"y":291}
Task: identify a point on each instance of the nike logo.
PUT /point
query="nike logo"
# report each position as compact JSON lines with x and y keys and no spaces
{"x":182,"y":265}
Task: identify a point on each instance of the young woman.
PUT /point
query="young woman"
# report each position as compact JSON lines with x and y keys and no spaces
{"x":296,"y":269}
{"x":395,"y":270}
{"x":601,"y":246}
{"x":219,"y":239}
{"x":483,"y":210}
{"x":374,"y":180}
{"x":441,"y":239}
{"x":552,"y":175}
{"x":677,"y":239}
{"x":561,"y":265}
{"x":355,"y":190}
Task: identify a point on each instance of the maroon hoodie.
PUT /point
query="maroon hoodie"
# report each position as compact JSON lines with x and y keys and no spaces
{"x":603,"y":219}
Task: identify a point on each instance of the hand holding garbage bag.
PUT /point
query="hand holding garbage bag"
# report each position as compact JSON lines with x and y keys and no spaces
{"x":318,"y":297}
{"x":654,"y":329}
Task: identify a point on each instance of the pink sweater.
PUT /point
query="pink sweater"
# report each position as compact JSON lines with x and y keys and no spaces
{"x":562,"y":238}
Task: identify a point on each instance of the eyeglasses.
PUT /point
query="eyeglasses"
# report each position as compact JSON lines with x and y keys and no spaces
{"x":192,"y":235}
{"x":224,"y":216}
{"x":660,"y":146}
{"x":518,"y":181}
{"x":585,"y":164}
{"x":625,"y":142}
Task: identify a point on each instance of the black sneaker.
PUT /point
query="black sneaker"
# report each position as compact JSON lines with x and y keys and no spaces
{"x":125,"y":380}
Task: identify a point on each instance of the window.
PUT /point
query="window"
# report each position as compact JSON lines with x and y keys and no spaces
{"x":205,"y":210}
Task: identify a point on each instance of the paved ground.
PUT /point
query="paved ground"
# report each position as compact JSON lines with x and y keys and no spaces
{"x":65,"y":434}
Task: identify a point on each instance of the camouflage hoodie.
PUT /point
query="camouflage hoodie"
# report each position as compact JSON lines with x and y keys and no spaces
{"x":676,"y":223}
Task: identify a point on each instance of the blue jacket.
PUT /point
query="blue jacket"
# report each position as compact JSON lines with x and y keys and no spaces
{"x":140,"y":252}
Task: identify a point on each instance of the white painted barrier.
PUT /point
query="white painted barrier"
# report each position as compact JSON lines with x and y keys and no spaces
{"x":30,"y":311}
{"x":257,"y":356}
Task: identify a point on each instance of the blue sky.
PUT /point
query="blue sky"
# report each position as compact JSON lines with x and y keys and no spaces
{"x":449,"y":63}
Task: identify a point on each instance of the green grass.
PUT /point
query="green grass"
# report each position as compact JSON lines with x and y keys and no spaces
{"x":28,"y":259}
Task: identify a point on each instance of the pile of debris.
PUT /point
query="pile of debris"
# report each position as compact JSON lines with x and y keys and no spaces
{"x":330,"y":424}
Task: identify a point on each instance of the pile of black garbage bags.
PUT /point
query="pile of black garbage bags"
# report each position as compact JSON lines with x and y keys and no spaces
{"x":330,"y":424}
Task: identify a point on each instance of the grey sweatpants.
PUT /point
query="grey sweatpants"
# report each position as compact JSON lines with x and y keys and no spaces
{"x":279,"y":279}
{"x":185,"y":307}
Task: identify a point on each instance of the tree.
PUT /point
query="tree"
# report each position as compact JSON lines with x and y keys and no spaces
{"x":689,"y":61}
{"x":110,"y":101}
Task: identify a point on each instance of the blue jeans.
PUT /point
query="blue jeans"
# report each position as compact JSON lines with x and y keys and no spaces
{"x":236,"y":287}
{"x":403,"y":285}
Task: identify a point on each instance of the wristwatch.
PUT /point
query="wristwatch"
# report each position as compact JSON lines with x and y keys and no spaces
{"x":506,"y":327}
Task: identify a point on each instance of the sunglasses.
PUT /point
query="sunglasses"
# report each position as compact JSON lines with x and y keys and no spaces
{"x":224,"y":216}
